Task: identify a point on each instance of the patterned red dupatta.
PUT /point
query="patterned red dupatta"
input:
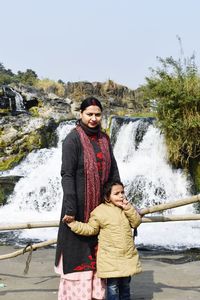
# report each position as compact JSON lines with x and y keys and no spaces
{"x":93,"y":181}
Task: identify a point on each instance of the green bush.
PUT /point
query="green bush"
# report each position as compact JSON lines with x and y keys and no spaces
{"x":175,"y":90}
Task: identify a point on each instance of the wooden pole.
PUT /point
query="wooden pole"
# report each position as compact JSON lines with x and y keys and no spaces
{"x":29,"y":225}
{"x":172,"y":204}
{"x":143,"y":211}
{"x":169,"y":218}
{"x":27,"y":249}
{"x":151,"y":219}
{"x":191,"y":217}
{"x":152,"y":209}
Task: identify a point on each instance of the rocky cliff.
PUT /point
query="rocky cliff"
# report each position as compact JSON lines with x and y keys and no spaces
{"x":29,"y":115}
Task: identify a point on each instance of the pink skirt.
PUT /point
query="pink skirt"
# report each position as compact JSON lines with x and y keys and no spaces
{"x":79,"y":285}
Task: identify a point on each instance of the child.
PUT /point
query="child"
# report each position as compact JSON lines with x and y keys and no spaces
{"x":117,"y":257}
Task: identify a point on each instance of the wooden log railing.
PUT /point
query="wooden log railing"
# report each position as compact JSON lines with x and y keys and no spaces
{"x":144,"y":211}
{"x":172,"y":218}
{"x":31,"y":225}
{"x":28,"y":249}
{"x":151,"y":219}
{"x":169,"y":205}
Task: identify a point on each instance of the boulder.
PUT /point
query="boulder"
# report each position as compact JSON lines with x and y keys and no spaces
{"x":7,"y":184}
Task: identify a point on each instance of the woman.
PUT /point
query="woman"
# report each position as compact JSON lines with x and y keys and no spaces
{"x":87,"y":164}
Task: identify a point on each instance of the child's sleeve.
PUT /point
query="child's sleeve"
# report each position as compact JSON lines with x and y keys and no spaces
{"x":133,"y":216}
{"x":90,"y":228}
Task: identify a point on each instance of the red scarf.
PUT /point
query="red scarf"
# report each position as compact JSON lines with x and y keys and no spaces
{"x":93,"y":182}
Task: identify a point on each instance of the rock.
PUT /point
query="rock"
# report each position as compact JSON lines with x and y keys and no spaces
{"x":33,"y":126}
{"x":22,"y":134}
{"x":7,"y":184}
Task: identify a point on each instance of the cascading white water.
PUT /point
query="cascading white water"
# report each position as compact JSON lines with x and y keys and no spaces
{"x":20,"y":107}
{"x":38,"y":194}
{"x":150,"y":180}
{"x":143,"y":167}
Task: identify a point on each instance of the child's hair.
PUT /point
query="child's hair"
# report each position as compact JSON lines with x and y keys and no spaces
{"x":108,"y":187}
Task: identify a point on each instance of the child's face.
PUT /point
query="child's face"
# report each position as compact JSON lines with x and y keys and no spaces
{"x":117,"y":195}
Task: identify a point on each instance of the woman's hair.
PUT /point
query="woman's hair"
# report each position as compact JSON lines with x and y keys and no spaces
{"x":108,"y":188}
{"x":90,"y":101}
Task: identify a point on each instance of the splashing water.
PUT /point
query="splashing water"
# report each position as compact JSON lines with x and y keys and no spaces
{"x":150,"y":180}
{"x":141,"y":155}
{"x":38,"y":194}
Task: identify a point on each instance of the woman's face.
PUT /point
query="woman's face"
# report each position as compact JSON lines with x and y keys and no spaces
{"x":91,"y":116}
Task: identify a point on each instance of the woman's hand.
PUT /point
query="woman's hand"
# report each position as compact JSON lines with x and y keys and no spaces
{"x":68,"y":219}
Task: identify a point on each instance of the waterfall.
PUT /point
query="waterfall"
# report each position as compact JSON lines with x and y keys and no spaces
{"x":142,"y":159}
{"x":38,"y":194}
{"x":20,"y":107}
{"x":15,"y":99}
{"x":141,"y":154}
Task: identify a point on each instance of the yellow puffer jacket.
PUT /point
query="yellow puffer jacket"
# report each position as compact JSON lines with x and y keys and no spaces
{"x":116,"y":255}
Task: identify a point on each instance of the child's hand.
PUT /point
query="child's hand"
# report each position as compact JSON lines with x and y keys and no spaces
{"x":68,"y":219}
{"x":126,"y":204}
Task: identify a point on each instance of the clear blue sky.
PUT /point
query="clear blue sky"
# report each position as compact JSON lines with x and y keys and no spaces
{"x":96,"y":40}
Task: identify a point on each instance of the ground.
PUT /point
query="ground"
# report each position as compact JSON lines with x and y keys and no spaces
{"x":164,"y":277}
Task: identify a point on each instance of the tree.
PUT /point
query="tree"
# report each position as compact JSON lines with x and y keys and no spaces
{"x":175,"y":87}
{"x":2,"y":68}
{"x":6,"y":75}
{"x":29,"y":77}
{"x":61,"y":81}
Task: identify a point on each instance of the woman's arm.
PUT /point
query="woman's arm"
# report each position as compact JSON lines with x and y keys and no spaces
{"x":68,"y":173}
{"x":114,"y":172}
